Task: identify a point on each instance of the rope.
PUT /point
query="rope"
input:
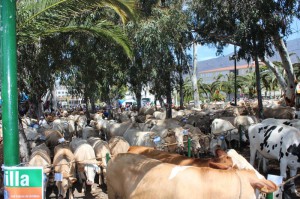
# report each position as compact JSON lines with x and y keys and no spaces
{"x":292,"y":178}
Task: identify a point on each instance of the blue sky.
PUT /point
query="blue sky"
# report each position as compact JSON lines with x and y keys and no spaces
{"x":205,"y":53}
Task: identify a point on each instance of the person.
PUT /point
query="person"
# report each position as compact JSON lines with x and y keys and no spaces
{"x":297,"y":91}
{"x":42,"y":121}
{"x":105,"y":113}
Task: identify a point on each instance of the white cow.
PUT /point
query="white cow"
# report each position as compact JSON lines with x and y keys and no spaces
{"x":85,"y":157}
{"x":101,"y":149}
{"x":136,"y":137}
{"x":117,"y":129}
{"x":272,"y":121}
{"x":278,"y":142}
{"x":223,"y":129}
{"x":88,"y":132}
{"x":165,"y":127}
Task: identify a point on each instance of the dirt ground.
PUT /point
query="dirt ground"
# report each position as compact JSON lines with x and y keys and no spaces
{"x":98,"y":192}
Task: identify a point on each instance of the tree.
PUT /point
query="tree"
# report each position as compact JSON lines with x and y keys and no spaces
{"x":254,"y":30}
{"x":40,"y":23}
{"x":158,"y":42}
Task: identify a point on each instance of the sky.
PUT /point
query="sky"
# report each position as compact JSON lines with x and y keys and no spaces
{"x":205,"y":52}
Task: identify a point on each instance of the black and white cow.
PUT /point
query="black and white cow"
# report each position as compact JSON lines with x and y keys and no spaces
{"x":278,"y":142}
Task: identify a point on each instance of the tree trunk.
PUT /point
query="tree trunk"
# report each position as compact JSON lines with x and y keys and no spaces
{"x":93,"y":106}
{"x":258,"y":87}
{"x":138,"y":93}
{"x":274,"y":69}
{"x":289,"y":93}
{"x":169,"y":98}
{"x":181,"y":94}
{"x":87,"y":113}
{"x":193,"y":73}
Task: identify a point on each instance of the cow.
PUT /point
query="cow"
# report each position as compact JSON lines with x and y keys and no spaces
{"x":101,"y":150}
{"x":223,"y":129}
{"x":280,"y":112}
{"x":165,"y":127}
{"x":279,"y":142}
{"x":80,"y":122}
{"x":221,"y":162}
{"x":200,"y":141}
{"x":294,"y":123}
{"x":40,"y":156}
{"x":136,"y":176}
{"x":86,"y":163}
{"x":88,"y":132}
{"x":136,"y":137}
{"x":118,"y":145}
{"x":117,"y":129}
{"x":64,"y":168}
{"x":52,"y":138}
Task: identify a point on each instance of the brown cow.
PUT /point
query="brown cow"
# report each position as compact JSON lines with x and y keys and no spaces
{"x":64,"y":165}
{"x":221,"y":162}
{"x":132,"y":176}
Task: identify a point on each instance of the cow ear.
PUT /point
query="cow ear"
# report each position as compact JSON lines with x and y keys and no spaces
{"x":220,"y":152}
{"x":215,"y":165}
{"x":265,"y":186}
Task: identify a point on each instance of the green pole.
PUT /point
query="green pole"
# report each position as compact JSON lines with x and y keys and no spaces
{"x":9,"y":84}
{"x":107,"y":157}
{"x":189,"y":147}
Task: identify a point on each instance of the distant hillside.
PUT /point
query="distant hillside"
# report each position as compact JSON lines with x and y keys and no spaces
{"x":221,"y":62}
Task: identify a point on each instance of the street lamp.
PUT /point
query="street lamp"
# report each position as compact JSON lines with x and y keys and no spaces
{"x":233,"y":57}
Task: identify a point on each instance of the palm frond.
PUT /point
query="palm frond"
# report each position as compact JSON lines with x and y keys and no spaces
{"x":45,"y":17}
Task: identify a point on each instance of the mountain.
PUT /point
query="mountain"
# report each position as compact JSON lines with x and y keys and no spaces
{"x":221,"y":62}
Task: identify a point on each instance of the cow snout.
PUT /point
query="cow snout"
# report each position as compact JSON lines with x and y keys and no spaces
{"x":198,"y":148}
{"x":89,"y":182}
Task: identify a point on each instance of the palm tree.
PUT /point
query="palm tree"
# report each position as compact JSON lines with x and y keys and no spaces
{"x":40,"y":21}
{"x":47,"y":17}
{"x":210,"y":89}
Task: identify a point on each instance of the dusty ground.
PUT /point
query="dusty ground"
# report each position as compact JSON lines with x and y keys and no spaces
{"x":97,"y":193}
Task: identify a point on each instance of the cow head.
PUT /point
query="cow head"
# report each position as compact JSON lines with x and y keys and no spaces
{"x":90,"y":171}
{"x":261,"y":184}
{"x":195,"y":142}
{"x":64,"y":185}
{"x":222,"y":161}
{"x":179,"y":134}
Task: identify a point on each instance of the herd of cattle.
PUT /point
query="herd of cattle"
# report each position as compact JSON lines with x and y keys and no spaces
{"x":145,"y":149}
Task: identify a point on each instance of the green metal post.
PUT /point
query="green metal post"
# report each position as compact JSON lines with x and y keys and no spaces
{"x":189,"y":147}
{"x":9,"y":83}
{"x":107,"y":157}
